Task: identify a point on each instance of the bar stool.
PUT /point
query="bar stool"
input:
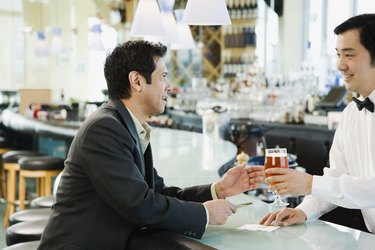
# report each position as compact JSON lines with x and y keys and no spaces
{"x":31,"y":245}
{"x":11,"y":167}
{"x":42,"y":202}
{"x":34,"y":214}
{"x":47,"y":201}
{"x":43,"y":167}
{"x":29,"y":215}
{"x":3,"y":179}
{"x":25,"y":231}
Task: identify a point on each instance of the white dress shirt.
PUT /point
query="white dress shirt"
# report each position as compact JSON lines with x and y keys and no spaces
{"x":350,"y":180}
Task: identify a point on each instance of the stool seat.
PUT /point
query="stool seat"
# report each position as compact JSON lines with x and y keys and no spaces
{"x":14,"y":155}
{"x":29,"y":215}
{"x":43,"y":168}
{"x":11,"y":167}
{"x":41,"y":163}
{"x":42,"y":202}
{"x":31,"y":245}
{"x":25,"y":231}
{"x":4,"y":150}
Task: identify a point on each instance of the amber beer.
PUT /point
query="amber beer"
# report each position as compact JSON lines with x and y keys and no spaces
{"x":276,"y":158}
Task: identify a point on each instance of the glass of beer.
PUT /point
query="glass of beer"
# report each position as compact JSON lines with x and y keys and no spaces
{"x":276,"y":158}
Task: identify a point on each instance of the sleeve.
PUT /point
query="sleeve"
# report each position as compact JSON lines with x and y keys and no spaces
{"x":336,"y":187}
{"x":109,"y":161}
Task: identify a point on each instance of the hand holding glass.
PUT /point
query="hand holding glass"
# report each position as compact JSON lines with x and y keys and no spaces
{"x":276,"y":158}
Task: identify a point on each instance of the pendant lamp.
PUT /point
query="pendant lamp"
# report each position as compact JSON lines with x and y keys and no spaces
{"x":147,"y":20}
{"x":41,"y":46}
{"x":57,"y":45}
{"x":96,"y":43}
{"x":169,"y":22}
{"x":184,"y":32}
{"x":206,"y":12}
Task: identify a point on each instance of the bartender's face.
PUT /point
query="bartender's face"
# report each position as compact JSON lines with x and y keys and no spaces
{"x":354,"y":63}
{"x":156,"y":92}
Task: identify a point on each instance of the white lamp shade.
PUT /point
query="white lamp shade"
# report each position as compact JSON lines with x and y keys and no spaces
{"x":95,"y":40}
{"x":57,"y":45}
{"x":147,"y":20}
{"x":166,"y":5}
{"x":206,"y":12}
{"x":170,"y":27}
{"x":41,"y":46}
{"x":184,"y":32}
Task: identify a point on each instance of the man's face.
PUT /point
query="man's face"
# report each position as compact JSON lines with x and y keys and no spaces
{"x":354,"y":63}
{"x":156,"y":93}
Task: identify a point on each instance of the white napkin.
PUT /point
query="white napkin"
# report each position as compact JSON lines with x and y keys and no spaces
{"x":257,"y":227}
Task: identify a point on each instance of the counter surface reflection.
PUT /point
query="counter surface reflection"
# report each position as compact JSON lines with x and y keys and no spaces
{"x":187,"y":158}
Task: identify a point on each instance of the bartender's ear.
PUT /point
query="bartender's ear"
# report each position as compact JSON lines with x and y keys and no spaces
{"x":135,"y":80}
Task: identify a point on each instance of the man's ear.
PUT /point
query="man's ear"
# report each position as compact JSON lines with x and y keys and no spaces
{"x":135,"y":80}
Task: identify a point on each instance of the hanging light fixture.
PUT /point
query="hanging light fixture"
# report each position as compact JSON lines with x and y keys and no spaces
{"x":206,"y":12}
{"x":184,"y":32}
{"x":41,"y":46}
{"x":96,"y":43}
{"x":57,"y":46}
{"x":147,"y":20}
{"x":169,"y":22}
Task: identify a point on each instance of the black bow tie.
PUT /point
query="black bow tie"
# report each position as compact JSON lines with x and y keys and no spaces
{"x":364,"y":104}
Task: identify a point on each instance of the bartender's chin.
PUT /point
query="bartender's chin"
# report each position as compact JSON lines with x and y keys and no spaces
{"x":349,"y":87}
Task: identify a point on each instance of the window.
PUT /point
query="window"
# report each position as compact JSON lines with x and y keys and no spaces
{"x":365,"y":6}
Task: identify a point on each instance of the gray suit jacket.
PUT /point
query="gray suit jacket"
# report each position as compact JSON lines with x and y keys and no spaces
{"x":109,"y":189}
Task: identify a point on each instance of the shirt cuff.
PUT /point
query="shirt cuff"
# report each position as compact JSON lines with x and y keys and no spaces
{"x":214,"y":197}
{"x":213,"y":192}
{"x":207,"y":215}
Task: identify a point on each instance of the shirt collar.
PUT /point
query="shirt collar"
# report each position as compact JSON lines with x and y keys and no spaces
{"x":142,"y":129}
{"x":372,"y":96}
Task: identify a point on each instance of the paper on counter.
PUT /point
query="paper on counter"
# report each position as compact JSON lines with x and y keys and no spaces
{"x":257,"y":227}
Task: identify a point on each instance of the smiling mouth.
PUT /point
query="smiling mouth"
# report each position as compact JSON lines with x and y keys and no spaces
{"x":347,"y":76}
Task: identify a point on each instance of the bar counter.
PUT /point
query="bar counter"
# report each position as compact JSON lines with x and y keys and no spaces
{"x":15,"y":121}
{"x":186,"y":158}
{"x":311,"y":235}
{"x":181,"y":159}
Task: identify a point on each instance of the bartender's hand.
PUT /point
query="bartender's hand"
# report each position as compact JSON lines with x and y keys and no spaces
{"x":289,"y":181}
{"x":284,"y":217}
{"x":219,"y":211}
{"x":239,"y":179}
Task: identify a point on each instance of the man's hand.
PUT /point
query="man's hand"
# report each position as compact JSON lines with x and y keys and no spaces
{"x":219,"y":211}
{"x":289,"y":181}
{"x":239,"y":179}
{"x":284,"y":217}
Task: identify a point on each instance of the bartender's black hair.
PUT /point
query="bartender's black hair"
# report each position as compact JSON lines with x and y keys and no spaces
{"x":130,"y":56}
{"x":365,"y":24}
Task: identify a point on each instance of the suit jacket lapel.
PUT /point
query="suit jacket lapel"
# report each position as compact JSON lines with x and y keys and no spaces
{"x":125,"y":115}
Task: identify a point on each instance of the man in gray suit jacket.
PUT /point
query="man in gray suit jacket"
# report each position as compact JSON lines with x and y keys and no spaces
{"x":109,"y":187}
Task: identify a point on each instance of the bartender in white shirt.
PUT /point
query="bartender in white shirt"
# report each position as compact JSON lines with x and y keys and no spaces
{"x":350,"y":180}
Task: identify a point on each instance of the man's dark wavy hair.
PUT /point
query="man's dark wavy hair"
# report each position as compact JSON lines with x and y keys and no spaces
{"x":365,"y":24}
{"x":132,"y":55}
